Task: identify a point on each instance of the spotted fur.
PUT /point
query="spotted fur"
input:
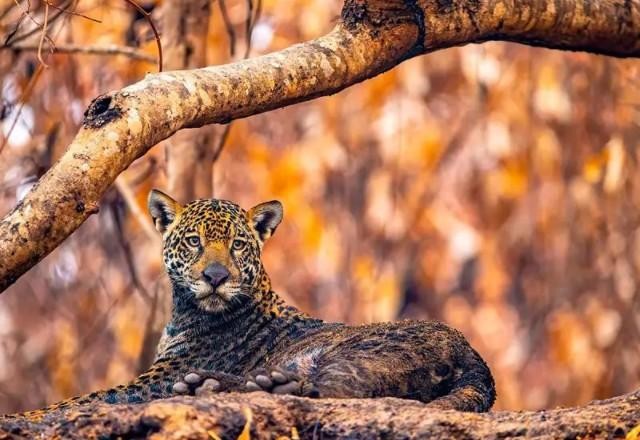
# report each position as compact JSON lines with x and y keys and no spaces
{"x":226,"y":236}
{"x":242,"y":326}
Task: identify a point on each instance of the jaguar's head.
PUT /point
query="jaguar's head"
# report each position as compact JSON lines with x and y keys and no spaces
{"x":211,"y":248}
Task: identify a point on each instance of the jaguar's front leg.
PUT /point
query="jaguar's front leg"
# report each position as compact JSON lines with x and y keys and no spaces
{"x":272,"y":380}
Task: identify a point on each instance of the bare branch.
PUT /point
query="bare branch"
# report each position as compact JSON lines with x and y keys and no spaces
{"x":43,"y":34}
{"x":26,"y":94}
{"x":221,"y":143}
{"x":128,"y":256}
{"x":248,"y":24}
{"x":78,"y":14}
{"x":138,"y":214}
{"x":109,"y":50}
{"x":147,"y":16}
{"x":229,"y":27}
{"x":12,"y":38}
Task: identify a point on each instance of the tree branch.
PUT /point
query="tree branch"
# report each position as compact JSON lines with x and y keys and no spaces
{"x":263,"y":415}
{"x":374,"y":36}
{"x":129,"y":52}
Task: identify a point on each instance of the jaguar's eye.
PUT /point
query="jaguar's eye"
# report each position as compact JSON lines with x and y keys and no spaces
{"x":237,"y":245}
{"x":193,"y":241}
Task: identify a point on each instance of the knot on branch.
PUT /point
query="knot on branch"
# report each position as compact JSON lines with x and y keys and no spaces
{"x":380,"y":14}
{"x":100,"y":112}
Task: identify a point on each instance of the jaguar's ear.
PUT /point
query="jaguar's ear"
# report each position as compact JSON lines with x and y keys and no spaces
{"x":163,"y":209}
{"x":265,"y":218}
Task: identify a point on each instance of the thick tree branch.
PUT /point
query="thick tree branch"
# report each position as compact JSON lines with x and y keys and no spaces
{"x":610,"y":27}
{"x":226,"y":416}
{"x":374,"y":36}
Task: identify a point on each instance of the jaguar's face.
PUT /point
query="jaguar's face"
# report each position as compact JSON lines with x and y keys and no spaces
{"x":212,"y":247}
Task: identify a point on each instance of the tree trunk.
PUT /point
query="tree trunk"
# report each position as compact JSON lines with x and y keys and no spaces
{"x":259,"y":415}
{"x":189,"y":152}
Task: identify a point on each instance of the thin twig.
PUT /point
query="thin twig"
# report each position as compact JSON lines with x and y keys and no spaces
{"x":248,"y":27}
{"x":147,"y":16}
{"x":15,"y":30}
{"x":229,"y":28}
{"x":43,"y":34}
{"x":257,"y":15}
{"x":128,"y":256}
{"x":150,"y":167}
{"x":27,"y":13}
{"x":127,"y":51}
{"x":78,"y":14}
{"x":130,"y":199}
{"x":23,"y":99}
{"x":223,"y":140}
{"x":10,"y":38}
{"x":253,"y":19}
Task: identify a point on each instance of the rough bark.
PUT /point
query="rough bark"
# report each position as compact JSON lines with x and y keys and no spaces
{"x":373,"y":36}
{"x":260,"y":415}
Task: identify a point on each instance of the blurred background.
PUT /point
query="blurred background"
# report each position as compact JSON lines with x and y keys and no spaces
{"x":494,"y":187}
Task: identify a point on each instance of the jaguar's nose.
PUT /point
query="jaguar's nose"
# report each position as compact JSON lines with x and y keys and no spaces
{"x":215,"y":274}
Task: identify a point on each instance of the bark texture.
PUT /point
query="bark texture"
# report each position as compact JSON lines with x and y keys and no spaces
{"x":373,"y":36}
{"x":260,"y":415}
